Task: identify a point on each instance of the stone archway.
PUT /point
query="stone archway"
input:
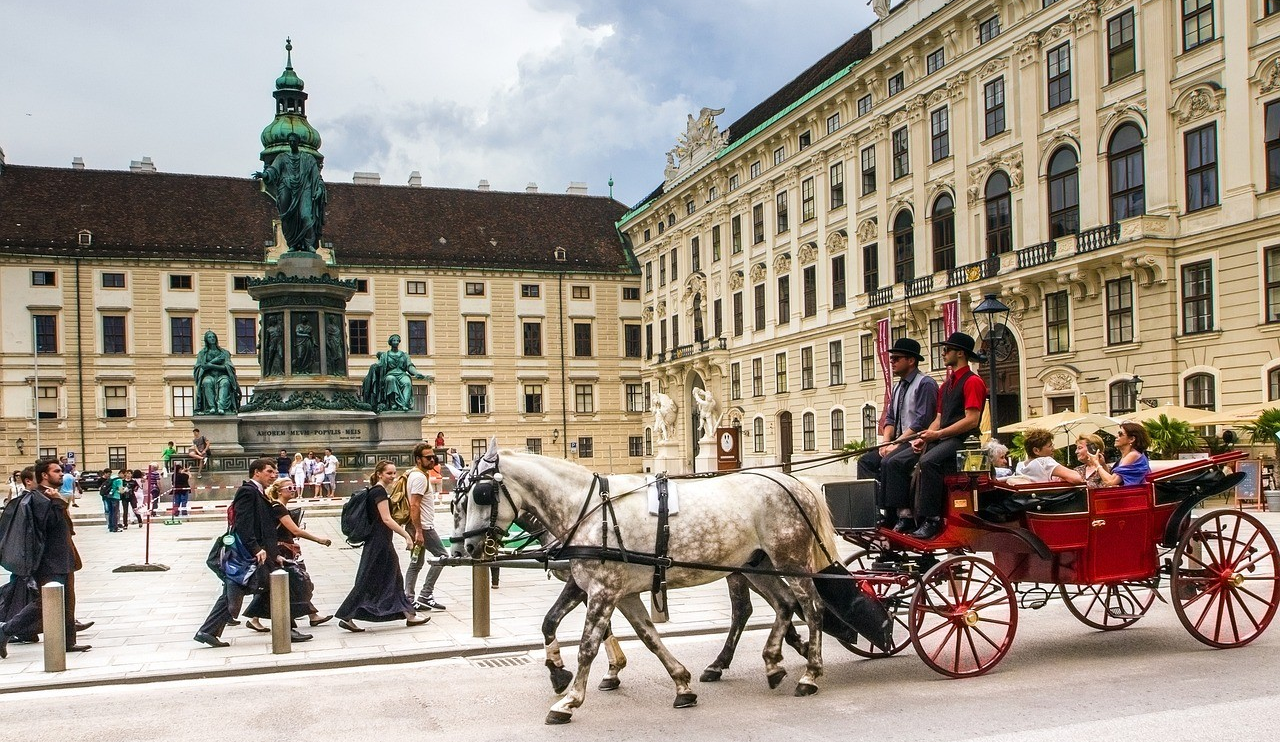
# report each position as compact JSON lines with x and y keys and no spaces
{"x":1008,"y":364}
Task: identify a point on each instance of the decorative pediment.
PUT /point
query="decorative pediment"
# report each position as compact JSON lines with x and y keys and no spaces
{"x":941,"y":185}
{"x":647,"y":314}
{"x":662,"y":308}
{"x":837,"y":241}
{"x":1059,"y":381}
{"x":867,"y":230}
{"x":1055,"y":32}
{"x":807,"y":253}
{"x":1267,"y":76}
{"x":782,"y":264}
{"x":700,"y":142}
{"x":993,"y":66}
{"x":1068,"y":135}
{"x":1028,"y":48}
{"x":1010,"y":162}
{"x":1135,"y":111}
{"x":735,"y":280}
{"x":1198,"y":102}
{"x":696,"y":283}
{"x":898,"y":117}
{"x":937,"y":96}
{"x":957,"y":85}
{"x":1083,"y":17}
{"x":758,"y":272}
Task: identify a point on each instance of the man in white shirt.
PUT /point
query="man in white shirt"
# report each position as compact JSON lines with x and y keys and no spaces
{"x":330,"y":472}
{"x":422,"y":515}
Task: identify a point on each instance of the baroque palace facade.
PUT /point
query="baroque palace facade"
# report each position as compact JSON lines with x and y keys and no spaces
{"x":522,"y":309}
{"x":1109,"y":168}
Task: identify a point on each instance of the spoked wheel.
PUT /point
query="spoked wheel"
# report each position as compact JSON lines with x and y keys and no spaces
{"x":895,"y":599}
{"x":963,"y":617}
{"x":1109,"y":607}
{"x":1226,"y":579}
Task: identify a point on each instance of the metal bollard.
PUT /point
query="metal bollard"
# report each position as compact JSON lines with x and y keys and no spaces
{"x":53,"y":607}
{"x":280,"y":620}
{"x":480,"y":601}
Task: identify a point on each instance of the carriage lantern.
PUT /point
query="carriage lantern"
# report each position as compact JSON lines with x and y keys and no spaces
{"x":991,"y":315}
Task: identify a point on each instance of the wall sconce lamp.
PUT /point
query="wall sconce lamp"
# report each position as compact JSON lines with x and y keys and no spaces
{"x":20,"y":443}
{"x":555,"y":435}
{"x":1135,"y":384}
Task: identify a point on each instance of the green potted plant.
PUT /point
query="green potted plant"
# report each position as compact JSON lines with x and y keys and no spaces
{"x":1170,"y":437}
{"x":1262,"y":431}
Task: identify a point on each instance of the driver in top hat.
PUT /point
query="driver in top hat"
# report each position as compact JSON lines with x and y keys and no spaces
{"x":960,"y":402}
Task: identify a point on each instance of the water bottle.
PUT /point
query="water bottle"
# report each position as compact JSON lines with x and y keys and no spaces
{"x":417,"y":551}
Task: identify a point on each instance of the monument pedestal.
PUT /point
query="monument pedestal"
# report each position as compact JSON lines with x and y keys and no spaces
{"x":667,"y":458}
{"x":705,"y":461}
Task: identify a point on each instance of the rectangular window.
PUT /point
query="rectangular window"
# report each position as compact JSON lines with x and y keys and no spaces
{"x":117,"y":457}
{"x":836,"y":179}
{"x":757,"y":435}
{"x":182,"y":400}
{"x":358,"y":336}
{"x":180,"y":336}
{"x":1271,"y":143}
{"x":635,"y":398}
{"x":695,"y":255}
{"x":181,"y":282}
{"x":735,"y":234}
{"x":717,"y":317}
{"x":1272,"y":288}
{"x":648,"y":276}
{"x":473,"y":288}
{"x":781,"y":208}
{"x":810,"y":289}
{"x":868,"y":157}
{"x":939,"y":135}
{"x":757,"y":224}
{"x":780,"y":373}
{"x":757,"y":377}
{"x":533,"y":399}
{"x":534,"y":290}
{"x":662,"y":269}
{"x":896,"y":84}
{"x":784,"y":299}
{"x":1202,"y":167}
{"x":1122,"y":52}
{"x":586,"y":447}
{"x":993,"y":106}
{"x":1271,"y":7}
{"x":935,"y":61}
{"x":837,"y":282}
{"x":808,"y":434}
{"x":735,"y":380}
{"x":583,"y":398}
{"x":635,"y":446}
{"x":584,"y":292}
{"x":989,"y":29}
{"x":1197,"y":297}
{"x":662,"y":335}
{"x":44,"y":278}
{"x":477,"y":342}
{"x":113,"y":335}
{"x":864,"y":105}
{"x":833,"y":121}
{"x":837,"y":430}
{"x":246,"y":336}
{"x":1059,"y":72}
{"x":648,"y":340}
{"x":48,"y":406}
{"x":804,"y":140}
{"x":362,"y":285}
{"x":806,"y":368}
{"x":1197,"y":23}
{"x":477,"y":402}
{"x":415,"y":288}
{"x":1120,"y":311}
{"x":779,"y":155}
{"x":867,"y":357}
{"x":715,"y":243}
{"x":806,"y":200}
{"x":582,"y":339}
{"x":835,"y":362}
{"x":870,"y":268}
{"x":738,"y":328}
{"x":417,"y":332}
{"x":733,"y":182}
{"x":936,"y":339}
{"x":532,"y":445}
{"x":116,"y":400}
{"x":1057,"y":326}
{"x":631,"y":340}
{"x":689,"y":207}
{"x":239,"y":283}
{"x":112,"y":280}
{"x":631,"y":293}
{"x":531,"y":335}
{"x":46,"y":329}
{"x":901,"y":156}
{"x":754,"y":170}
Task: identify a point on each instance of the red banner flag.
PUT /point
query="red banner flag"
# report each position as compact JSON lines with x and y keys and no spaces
{"x":950,"y":317}
{"x":882,"y":352}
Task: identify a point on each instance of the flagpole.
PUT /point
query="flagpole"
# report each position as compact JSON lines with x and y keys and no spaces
{"x":35,"y":383}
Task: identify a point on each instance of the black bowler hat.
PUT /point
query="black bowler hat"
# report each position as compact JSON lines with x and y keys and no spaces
{"x":907,"y":347}
{"x":965,"y":342}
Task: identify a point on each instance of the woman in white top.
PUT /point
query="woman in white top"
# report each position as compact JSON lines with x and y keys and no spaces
{"x":1041,"y":466}
{"x":298,"y":472}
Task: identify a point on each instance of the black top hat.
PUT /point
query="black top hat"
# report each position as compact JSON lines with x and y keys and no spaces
{"x":965,"y":342}
{"x":907,"y":347}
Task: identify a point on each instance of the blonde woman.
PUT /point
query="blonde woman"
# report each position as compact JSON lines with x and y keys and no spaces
{"x":301,"y":588}
{"x":1085,"y":446}
{"x":298,"y":472}
{"x":378,"y":593}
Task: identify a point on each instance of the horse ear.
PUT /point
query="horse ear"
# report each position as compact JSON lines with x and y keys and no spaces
{"x":493,"y":445}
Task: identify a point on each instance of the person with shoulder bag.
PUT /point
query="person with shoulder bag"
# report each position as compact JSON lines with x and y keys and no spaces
{"x":422,"y":514}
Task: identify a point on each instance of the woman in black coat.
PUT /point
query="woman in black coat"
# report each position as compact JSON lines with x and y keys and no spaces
{"x":378,"y":594}
{"x":301,"y":587}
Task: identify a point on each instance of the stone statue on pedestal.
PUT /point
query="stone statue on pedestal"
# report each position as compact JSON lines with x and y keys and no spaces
{"x":388,"y":386}
{"x":293,"y":180}
{"x":273,"y":346}
{"x":335,"y":346}
{"x":217,"y":390}
{"x":664,"y":417}
{"x":707,"y":417}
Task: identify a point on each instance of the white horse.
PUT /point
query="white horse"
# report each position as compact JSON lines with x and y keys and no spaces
{"x":724,"y":521}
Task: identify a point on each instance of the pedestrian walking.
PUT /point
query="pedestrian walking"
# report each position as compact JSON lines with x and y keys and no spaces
{"x":152,"y":500}
{"x":70,"y":487}
{"x":283,"y":463}
{"x":110,"y":491}
{"x":301,"y":588}
{"x":330,"y":473}
{"x":378,"y":593}
{"x":128,"y":496}
{"x":181,"y":486}
{"x":422,"y":515}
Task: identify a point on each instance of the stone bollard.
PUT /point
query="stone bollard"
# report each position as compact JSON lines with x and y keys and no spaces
{"x":53,"y":606}
{"x":280,"y":619}
{"x":480,"y":601}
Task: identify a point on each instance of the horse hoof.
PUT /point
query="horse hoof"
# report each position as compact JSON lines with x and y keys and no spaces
{"x":805,"y":689}
{"x":710,"y":676}
{"x":686,"y":700}
{"x":560,"y":679}
{"x":775,"y":678}
{"x":559,"y":717}
{"x":610,"y":684}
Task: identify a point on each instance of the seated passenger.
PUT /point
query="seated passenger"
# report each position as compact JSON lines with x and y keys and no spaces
{"x":1133,"y":466}
{"x":999,"y":454}
{"x":1085,"y":445}
{"x":1041,"y":466}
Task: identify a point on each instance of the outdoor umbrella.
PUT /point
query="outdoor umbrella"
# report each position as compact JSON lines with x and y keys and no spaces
{"x":1237,"y":416}
{"x":1065,"y":426}
{"x":1173,"y":411}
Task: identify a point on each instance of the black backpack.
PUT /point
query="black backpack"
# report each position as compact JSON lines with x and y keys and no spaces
{"x":21,"y":537}
{"x":357,"y":526}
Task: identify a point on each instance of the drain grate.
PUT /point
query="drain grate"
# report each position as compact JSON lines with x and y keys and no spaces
{"x":508,"y":661}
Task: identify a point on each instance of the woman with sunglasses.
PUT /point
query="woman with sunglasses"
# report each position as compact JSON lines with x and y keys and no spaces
{"x":301,"y":587}
{"x":1133,"y":466}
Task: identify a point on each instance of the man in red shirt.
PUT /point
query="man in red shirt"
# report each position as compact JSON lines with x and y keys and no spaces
{"x":960,"y":401}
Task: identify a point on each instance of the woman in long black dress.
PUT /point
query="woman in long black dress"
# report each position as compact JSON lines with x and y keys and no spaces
{"x":378,"y":594}
{"x":301,"y":588}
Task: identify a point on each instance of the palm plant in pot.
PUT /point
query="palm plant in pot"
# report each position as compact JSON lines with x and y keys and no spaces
{"x":1262,"y":431}
{"x":1170,"y":437}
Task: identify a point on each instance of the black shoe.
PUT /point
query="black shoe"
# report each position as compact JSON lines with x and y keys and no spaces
{"x":210,"y":640}
{"x":928,"y":530}
{"x":4,"y":643}
{"x":298,"y":636}
{"x":349,"y":626}
{"x":79,"y":648}
{"x":905,"y":524}
{"x":83,"y":625}
{"x":233,"y":622}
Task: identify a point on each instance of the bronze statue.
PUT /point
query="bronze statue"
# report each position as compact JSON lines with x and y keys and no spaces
{"x":389,"y":384}
{"x":293,"y":180}
{"x":335,"y":347}
{"x":273,"y":346}
{"x":305,"y":358}
{"x":217,"y":390}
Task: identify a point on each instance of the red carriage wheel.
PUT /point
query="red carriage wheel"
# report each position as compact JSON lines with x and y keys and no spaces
{"x":1226,"y":578}
{"x":963,"y":617}
{"x":894,"y":597}
{"x":1108,"y":607}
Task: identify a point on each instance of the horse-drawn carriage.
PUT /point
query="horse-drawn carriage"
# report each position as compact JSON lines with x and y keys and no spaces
{"x":1104,"y":551}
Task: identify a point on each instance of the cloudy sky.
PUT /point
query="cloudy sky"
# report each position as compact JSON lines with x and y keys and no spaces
{"x":511,"y":91}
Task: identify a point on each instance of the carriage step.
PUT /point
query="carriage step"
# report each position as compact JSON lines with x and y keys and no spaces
{"x":1115,"y":613}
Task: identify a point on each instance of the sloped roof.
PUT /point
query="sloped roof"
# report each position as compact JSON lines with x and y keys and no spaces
{"x":160,"y":215}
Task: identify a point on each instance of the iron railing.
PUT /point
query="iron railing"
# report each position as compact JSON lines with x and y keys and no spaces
{"x":880,"y":297}
{"x":971,"y":272}
{"x":919,"y":286}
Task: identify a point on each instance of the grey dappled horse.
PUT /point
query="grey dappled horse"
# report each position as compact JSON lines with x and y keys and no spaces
{"x":723,"y":521}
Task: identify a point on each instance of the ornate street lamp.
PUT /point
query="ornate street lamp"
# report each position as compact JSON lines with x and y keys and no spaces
{"x":991,"y":315}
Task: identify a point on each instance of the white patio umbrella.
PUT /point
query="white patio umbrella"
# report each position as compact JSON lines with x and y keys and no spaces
{"x":1065,"y":426}
{"x":1237,"y":416}
{"x":1173,"y":411}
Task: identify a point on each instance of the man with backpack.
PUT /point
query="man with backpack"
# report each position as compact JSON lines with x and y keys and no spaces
{"x":422,"y":516}
{"x":109,"y":490}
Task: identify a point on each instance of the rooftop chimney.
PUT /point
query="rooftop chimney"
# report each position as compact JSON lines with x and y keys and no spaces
{"x":577,"y":188}
{"x":77,"y":163}
{"x":145,"y":165}
{"x":484,"y":186}
{"x":366,"y":179}
{"x":415,"y":179}
{"x":531,"y":188}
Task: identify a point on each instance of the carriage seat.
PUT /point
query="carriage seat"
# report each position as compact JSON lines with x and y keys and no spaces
{"x":1008,"y":501}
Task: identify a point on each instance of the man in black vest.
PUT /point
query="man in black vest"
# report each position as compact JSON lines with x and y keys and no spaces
{"x":960,"y":402}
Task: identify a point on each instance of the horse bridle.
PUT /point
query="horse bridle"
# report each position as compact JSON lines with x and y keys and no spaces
{"x":488,"y":490}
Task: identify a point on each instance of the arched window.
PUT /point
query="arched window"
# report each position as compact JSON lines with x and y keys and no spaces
{"x":1064,"y":194}
{"x":904,"y":247}
{"x":837,"y":430}
{"x":944,"y":233}
{"x":1121,"y":397}
{"x":1128,"y":179}
{"x":808,"y":431}
{"x":1198,"y":390}
{"x":1273,"y":384}
{"x":999,"y":214}
{"x":870,"y":427}
{"x":757,"y":435}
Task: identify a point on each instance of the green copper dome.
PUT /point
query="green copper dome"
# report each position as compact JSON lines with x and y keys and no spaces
{"x":291,"y":115}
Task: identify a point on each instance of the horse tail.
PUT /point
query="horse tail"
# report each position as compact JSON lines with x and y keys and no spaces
{"x":824,"y":550}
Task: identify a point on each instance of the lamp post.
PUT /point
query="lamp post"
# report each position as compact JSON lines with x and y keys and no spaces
{"x":991,"y":314}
